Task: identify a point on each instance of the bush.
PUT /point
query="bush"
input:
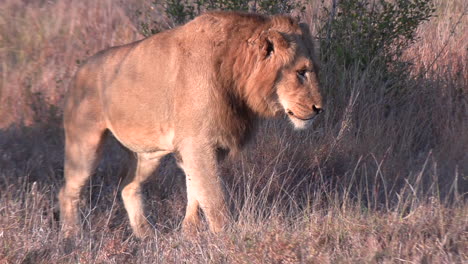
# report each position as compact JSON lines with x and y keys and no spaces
{"x":181,"y":11}
{"x":364,"y":32}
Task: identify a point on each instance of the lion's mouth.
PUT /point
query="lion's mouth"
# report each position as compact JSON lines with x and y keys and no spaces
{"x":291,"y":113}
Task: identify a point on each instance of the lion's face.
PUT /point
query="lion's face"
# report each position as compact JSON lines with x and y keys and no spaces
{"x":298,"y":92}
{"x":296,"y":86}
{"x":283,"y":78}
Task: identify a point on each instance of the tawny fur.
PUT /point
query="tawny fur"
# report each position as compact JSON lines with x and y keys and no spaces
{"x":191,"y":90}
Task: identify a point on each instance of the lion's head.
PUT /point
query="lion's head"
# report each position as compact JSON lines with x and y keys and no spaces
{"x":282,"y":73}
{"x":297,"y":86}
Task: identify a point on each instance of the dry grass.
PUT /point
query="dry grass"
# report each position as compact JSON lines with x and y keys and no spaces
{"x":43,"y":42}
{"x":379,"y":179}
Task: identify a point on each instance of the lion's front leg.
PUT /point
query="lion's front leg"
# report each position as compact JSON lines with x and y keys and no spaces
{"x":204,"y":188}
{"x":143,"y":164}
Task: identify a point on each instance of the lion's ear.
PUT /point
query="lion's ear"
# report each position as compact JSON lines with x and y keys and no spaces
{"x":272,"y":41}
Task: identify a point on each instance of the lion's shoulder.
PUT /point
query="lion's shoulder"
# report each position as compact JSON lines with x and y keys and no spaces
{"x":224,"y":21}
{"x":233,"y":17}
{"x":230,"y":20}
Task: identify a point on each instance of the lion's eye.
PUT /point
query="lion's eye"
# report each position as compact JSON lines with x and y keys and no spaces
{"x":302,"y":73}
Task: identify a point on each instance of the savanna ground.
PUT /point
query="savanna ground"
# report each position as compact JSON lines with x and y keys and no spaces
{"x":379,"y":179}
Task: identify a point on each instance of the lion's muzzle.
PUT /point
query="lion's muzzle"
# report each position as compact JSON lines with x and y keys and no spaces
{"x":316,"y":110}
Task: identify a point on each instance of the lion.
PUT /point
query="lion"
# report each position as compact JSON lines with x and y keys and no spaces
{"x":197,"y":90}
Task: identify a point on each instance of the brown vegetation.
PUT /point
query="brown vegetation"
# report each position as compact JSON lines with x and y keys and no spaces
{"x":379,"y":179}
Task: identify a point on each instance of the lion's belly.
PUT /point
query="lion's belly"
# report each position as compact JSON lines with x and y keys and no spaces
{"x":156,"y":137}
{"x":139,"y":115}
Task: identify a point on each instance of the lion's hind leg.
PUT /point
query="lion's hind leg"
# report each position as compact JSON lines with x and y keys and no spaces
{"x":82,"y":149}
{"x":144,"y":164}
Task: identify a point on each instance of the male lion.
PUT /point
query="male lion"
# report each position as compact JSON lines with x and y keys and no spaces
{"x":193,"y":90}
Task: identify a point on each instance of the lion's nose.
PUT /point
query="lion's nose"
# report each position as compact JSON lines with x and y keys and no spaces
{"x":317,"y":109}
